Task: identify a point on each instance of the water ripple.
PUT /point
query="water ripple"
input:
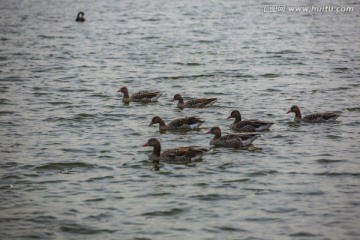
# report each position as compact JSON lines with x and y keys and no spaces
{"x":171,"y":212}
{"x":83,"y":229}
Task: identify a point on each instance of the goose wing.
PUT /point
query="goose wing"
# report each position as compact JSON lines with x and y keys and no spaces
{"x":182,"y":154}
{"x":247,"y":126}
{"x":145,"y":95}
{"x":259,"y":124}
{"x":320,"y":117}
{"x":231,"y":139}
{"x":178,"y":123}
{"x":200,"y":102}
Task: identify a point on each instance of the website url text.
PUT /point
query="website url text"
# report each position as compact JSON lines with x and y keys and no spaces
{"x":322,"y":9}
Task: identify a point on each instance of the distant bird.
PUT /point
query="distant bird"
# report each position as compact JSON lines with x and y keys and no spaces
{"x":80,"y":17}
{"x":248,"y":125}
{"x":188,"y":123}
{"x":194,"y":103}
{"x":315,"y":117}
{"x":175,"y":155}
{"x":143,"y":96}
{"x":231,"y":140}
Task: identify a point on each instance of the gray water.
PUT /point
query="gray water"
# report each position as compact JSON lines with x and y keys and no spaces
{"x":72,"y":162}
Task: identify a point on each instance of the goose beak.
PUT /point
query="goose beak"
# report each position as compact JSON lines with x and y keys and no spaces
{"x":150,"y":124}
{"x":229,"y":117}
{"x":145,"y":145}
{"x":288,"y":111}
{"x":208,"y":132}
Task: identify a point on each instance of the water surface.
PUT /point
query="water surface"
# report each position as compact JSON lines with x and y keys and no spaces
{"x":72,"y":162}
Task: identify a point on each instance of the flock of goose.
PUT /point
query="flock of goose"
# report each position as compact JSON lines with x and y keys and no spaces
{"x":187,"y":154}
{"x":190,"y":153}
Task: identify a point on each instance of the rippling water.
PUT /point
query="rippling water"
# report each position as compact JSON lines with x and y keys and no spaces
{"x":72,"y":162}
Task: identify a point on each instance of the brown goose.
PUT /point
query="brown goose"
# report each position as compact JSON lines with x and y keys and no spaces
{"x":80,"y":17}
{"x":142,"y":96}
{"x":188,"y":123}
{"x":315,"y":117}
{"x":194,"y":103}
{"x":175,"y":155}
{"x":248,"y":125}
{"x":231,"y":140}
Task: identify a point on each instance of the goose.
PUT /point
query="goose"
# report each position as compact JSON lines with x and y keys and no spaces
{"x":194,"y":103}
{"x":315,"y":117}
{"x":187,"y":123}
{"x":143,"y":96}
{"x":175,"y":155}
{"x":252,"y":125}
{"x":231,"y":140}
{"x":80,"y":17}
